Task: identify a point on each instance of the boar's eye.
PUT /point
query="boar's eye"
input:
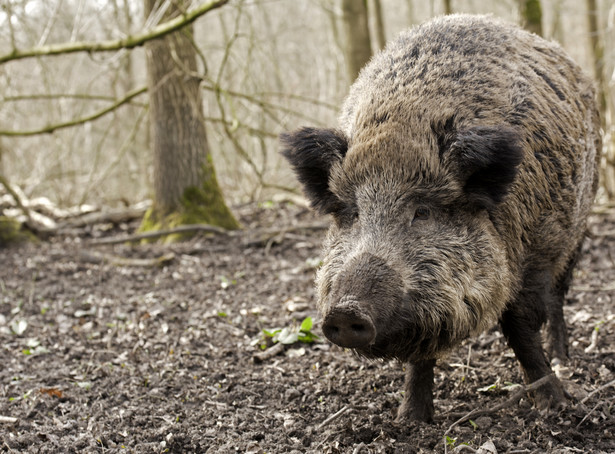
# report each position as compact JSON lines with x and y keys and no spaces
{"x":346,"y":217}
{"x":421,"y":213}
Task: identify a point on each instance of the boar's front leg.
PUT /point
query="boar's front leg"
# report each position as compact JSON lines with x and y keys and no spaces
{"x":521,"y":326}
{"x":418,"y":396}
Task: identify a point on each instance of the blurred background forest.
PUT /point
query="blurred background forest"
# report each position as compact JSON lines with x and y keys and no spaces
{"x":74,"y":127}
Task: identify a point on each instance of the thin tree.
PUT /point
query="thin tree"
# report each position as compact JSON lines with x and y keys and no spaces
{"x":378,"y":21}
{"x":186,"y":190}
{"x":358,"y":49}
{"x":531,"y":16}
{"x":602,"y":88}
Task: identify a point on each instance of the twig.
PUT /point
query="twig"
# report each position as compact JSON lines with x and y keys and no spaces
{"x":272,"y":351}
{"x":586,"y":398}
{"x":587,"y":288}
{"x":507,"y":403}
{"x":587,"y":415}
{"x":594,"y":341}
{"x":78,"y":121}
{"x":112,"y":45}
{"x":7,"y":419}
{"x":334,"y":416}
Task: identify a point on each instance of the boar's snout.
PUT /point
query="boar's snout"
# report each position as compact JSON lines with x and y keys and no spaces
{"x":348,"y":326}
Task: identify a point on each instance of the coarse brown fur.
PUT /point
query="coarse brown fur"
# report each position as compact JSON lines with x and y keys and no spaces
{"x":460,"y":183}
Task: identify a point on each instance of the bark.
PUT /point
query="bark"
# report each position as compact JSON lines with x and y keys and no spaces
{"x":358,"y":48}
{"x":531,"y":16}
{"x":185,"y":185}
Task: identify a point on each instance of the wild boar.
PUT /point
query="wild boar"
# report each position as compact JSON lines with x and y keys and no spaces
{"x":459,"y":182}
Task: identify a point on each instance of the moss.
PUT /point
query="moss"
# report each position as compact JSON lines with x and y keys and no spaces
{"x":11,"y":232}
{"x":198,"y":205}
{"x":532,"y":13}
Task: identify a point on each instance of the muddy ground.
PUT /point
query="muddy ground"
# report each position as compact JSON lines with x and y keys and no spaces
{"x":108,"y":357}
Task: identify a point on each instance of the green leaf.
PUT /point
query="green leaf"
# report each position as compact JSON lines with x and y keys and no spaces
{"x":271,"y":333}
{"x":306,"y":325}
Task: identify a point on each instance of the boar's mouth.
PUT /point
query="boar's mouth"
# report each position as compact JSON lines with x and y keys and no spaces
{"x":411,"y":342}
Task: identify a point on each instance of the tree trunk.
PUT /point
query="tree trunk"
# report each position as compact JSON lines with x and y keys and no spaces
{"x":185,"y":187}
{"x":410,"y":12}
{"x":448,"y":7}
{"x":358,"y":48}
{"x":531,"y":16}
{"x":598,"y":55}
{"x":602,"y":88}
{"x":379,"y":34}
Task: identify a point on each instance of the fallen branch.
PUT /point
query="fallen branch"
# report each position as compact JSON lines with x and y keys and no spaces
{"x":16,"y":198}
{"x":606,"y":233}
{"x":113,"y":216}
{"x":264,"y":234}
{"x":98,"y":257}
{"x":190,"y":228}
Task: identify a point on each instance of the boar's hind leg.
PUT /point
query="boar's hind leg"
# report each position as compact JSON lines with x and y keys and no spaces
{"x":418,"y":396}
{"x":557,"y":336}
{"x":521,"y":326}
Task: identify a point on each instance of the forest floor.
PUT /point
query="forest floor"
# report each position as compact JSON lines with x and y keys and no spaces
{"x":102,"y":356}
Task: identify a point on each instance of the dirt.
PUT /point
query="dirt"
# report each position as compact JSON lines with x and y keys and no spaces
{"x":103,"y":357}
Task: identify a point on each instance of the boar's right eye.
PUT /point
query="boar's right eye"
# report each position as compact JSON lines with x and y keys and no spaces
{"x":345,"y":218}
{"x":421,"y":213}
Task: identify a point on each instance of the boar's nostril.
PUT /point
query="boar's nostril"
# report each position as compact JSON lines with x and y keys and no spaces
{"x":347,"y":327}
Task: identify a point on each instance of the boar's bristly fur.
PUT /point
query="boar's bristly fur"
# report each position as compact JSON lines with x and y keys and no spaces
{"x":459,"y":183}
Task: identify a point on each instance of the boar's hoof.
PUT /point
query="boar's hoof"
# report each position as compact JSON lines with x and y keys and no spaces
{"x":348,"y":327}
{"x":551,"y":396}
{"x":411,"y":412}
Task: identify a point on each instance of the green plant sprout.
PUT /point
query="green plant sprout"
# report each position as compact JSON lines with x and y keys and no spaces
{"x":292,"y":334}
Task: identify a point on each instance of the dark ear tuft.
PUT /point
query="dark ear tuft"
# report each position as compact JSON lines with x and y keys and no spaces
{"x":487,"y":158}
{"x":311,"y":152}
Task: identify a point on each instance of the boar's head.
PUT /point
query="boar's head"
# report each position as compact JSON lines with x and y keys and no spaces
{"x":413,"y":260}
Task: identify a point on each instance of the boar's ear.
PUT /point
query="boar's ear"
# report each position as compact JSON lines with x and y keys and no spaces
{"x":487,"y":158}
{"x":311,"y":152}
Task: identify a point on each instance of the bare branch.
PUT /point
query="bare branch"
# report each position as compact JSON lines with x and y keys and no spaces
{"x":128,"y":42}
{"x":78,"y":121}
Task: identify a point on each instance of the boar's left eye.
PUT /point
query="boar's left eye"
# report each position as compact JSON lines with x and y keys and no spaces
{"x":421,"y":213}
